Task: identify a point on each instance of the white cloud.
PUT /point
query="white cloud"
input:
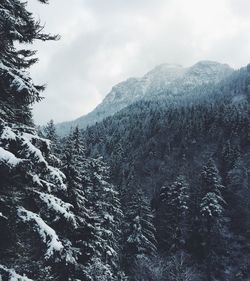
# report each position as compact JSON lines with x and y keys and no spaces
{"x":104,"y":42}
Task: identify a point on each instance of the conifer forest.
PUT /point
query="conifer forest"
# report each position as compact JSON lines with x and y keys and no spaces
{"x":152,"y":185}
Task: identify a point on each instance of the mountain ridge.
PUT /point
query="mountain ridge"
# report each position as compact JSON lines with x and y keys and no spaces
{"x":163,"y":81}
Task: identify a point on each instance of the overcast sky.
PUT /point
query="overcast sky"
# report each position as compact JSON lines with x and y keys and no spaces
{"x":106,"y":41}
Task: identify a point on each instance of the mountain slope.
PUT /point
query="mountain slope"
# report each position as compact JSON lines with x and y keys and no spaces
{"x":164,"y":81}
{"x":151,"y":145}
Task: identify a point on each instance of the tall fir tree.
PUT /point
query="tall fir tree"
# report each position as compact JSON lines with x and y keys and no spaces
{"x":18,"y":92}
{"x":105,"y":205}
{"x":97,"y":209}
{"x":32,"y":193}
{"x":211,"y":210}
{"x":138,"y":229}
{"x":172,"y":221}
{"x":49,"y":132}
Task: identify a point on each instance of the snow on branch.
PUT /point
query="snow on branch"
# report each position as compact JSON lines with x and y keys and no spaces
{"x":2,"y":216}
{"x":56,"y":175}
{"x":12,"y":275}
{"x":54,"y":178}
{"x":31,"y":137}
{"x":8,"y":134}
{"x":20,"y":80}
{"x":31,"y":151}
{"x":9,"y":158}
{"x":47,"y":234}
{"x":58,"y":206}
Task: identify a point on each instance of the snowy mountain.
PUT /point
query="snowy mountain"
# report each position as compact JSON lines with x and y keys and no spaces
{"x":164,"y":81}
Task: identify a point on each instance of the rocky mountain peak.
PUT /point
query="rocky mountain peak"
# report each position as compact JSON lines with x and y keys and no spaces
{"x":165,"y":80}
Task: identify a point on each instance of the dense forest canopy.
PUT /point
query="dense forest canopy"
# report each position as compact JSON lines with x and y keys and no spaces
{"x":158,"y":191}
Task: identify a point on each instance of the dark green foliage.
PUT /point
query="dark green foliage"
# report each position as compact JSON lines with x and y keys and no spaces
{"x":172,"y":214}
{"x":97,"y":235}
{"x":182,"y":216}
{"x":156,"y":141}
{"x":18,"y":91}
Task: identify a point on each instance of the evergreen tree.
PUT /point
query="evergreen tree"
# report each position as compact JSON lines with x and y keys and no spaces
{"x":173,"y":220}
{"x":32,"y":191}
{"x":211,"y":209}
{"x":117,"y":157}
{"x":49,"y":133}
{"x":230,"y":155}
{"x":97,"y":209}
{"x":105,"y":205}
{"x":139,"y":231}
{"x":18,"y":91}
{"x":75,"y":168}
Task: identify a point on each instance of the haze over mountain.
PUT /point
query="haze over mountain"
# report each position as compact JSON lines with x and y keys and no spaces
{"x":164,"y":81}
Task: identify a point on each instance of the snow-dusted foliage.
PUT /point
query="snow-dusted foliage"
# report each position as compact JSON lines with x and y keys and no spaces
{"x":11,"y":275}
{"x":31,"y":186}
{"x":24,"y":159}
{"x":98,"y":210}
{"x":58,"y":206}
{"x":139,"y":231}
{"x":28,"y":151}
{"x":212,"y":205}
{"x":19,"y":80}
{"x":212,"y":202}
{"x":66,"y":216}
{"x":174,"y":209}
{"x":9,"y":159}
{"x":47,"y":234}
{"x":99,"y":271}
{"x":109,"y":215}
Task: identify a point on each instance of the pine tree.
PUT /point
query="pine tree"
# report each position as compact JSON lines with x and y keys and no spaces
{"x":139,"y":231}
{"x":230,"y":155}
{"x":18,"y":91}
{"x":174,"y":207}
{"x":49,"y":133}
{"x":116,"y":162}
{"x":211,"y":209}
{"x":85,"y":237}
{"x":105,"y":206}
{"x":32,"y":191}
{"x":97,"y":209}
{"x":212,"y":201}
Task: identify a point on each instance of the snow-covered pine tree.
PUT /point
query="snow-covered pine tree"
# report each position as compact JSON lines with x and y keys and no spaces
{"x":73,"y":157}
{"x":139,"y":231}
{"x":211,"y":209}
{"x":84,"y":236}
{"x":32,"y":209}
{"x":105,"y":207}
{"x":174,"y":200}
{"x":49,"y":132}
{"x":212,"y":202}
{"x":18,"y":91}
{"x":97,"y":209}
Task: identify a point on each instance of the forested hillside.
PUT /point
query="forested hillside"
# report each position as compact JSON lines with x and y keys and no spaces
{"x":190,"y":157}
{"x":165,"y":81}
{"x":159,"y":191}
{"x":60,"y":216}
